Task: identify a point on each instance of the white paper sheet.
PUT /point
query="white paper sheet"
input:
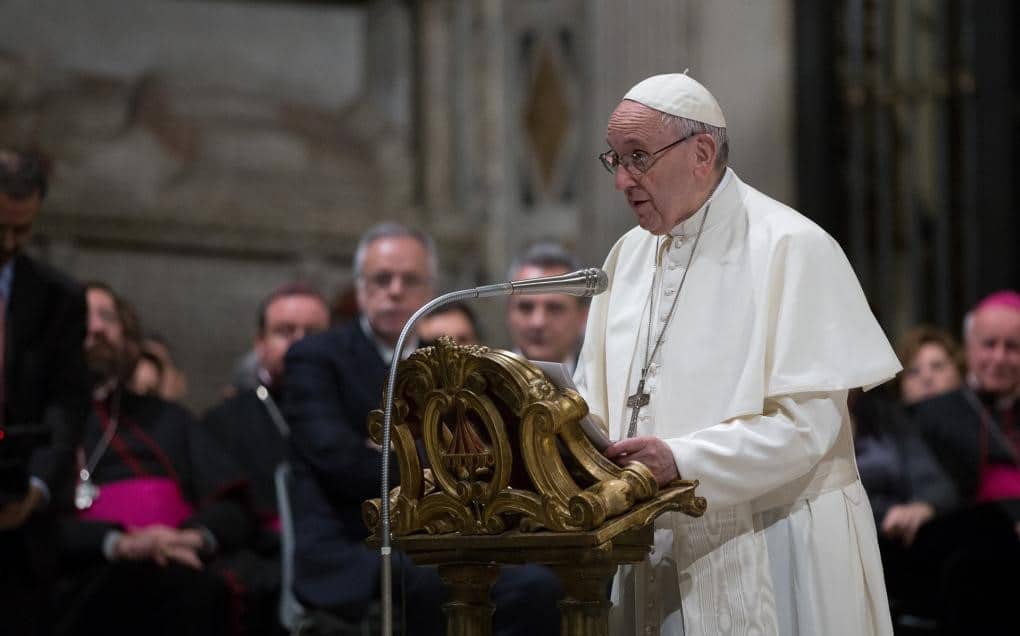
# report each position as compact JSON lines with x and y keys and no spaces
{"x":561,"y":379}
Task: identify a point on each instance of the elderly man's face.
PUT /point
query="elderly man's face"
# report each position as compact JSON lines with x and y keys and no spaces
{"x":545,"y":327}
{"x":676,"y":184}
{"x":395,"y":282}
{"x":993,"y":349}
{"x":16,"y":218}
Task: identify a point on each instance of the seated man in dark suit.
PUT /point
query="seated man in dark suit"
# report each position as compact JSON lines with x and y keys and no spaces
{"x":332,"y":381}
{"x":43,"y":400}
{"x":251,"y":430}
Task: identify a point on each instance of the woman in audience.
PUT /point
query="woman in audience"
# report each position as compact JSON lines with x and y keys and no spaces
{"x":932,"y":364}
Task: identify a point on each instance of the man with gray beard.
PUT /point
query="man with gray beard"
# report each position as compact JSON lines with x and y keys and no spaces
{"x":159,"y":508}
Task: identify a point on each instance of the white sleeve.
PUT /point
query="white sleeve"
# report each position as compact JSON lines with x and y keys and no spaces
{"x":741,"y":459}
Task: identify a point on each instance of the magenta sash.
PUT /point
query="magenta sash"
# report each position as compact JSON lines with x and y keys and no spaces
{"x":998,"y":482}
{"x":139,"y":502}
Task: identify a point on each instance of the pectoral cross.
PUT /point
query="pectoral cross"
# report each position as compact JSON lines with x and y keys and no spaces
{"x":635,"y":402}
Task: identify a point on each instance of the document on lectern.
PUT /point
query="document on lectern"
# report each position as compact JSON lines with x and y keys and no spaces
{"x":561,"y":379}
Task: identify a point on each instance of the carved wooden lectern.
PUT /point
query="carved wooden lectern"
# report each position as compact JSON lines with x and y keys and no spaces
{"x":512,"y":479}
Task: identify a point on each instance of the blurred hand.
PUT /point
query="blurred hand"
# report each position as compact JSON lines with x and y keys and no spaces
{"x":650,"y":451}
{"x":161,"y":544}
{"x":185,"y":547}
{"x":16,"y":513}
{"x":903,"y":521}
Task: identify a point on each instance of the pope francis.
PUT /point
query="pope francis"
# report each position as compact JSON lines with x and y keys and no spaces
{"x":723,"y":351}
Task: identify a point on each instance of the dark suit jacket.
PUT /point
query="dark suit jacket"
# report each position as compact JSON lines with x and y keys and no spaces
{"x":951,"y":424}
{"x":895,"y":464}
{"x":46,"y":385}
{"x":243,"y":428}
{"x":45,"y":373}
{"x":332,"y":381}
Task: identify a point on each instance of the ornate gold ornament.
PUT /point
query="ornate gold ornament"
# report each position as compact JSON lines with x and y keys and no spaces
{"x":505,"y":452}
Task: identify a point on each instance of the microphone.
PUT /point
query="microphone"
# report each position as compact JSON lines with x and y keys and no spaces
{"x":584,"y":282}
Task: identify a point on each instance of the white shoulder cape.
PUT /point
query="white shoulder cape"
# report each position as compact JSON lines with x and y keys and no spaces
{"x":770,"y":307}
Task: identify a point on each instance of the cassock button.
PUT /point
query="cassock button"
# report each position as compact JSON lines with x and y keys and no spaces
{"x":678,"y":241}
{"x":669,"y":291}
{"x":673,"y":265}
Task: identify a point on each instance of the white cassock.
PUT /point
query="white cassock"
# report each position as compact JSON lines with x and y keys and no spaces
{"x":749,"y":391}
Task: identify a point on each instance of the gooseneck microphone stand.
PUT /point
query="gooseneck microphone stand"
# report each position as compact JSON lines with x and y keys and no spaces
{"x":585,"y":282}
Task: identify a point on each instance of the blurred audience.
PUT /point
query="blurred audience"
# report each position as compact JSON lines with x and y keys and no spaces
{"x":160,"y":509}
{"x":973,"y":433}
{"x":249,"y":425}
{"x":547,"y":327}
{"x":332,"y":381}
{"x":455,"y":320}
{"x":974,"y":430}
{"x":43,"y":400}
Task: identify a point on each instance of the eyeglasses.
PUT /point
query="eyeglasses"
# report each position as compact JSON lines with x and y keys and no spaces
{"x":384,"y":280}
{"x":637,"y":162}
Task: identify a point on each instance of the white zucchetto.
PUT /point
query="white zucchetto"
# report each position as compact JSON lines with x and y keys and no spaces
{"x":680,"y":95}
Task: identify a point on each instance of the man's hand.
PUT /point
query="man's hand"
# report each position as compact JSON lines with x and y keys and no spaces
{"x":16,"y":513}
{"x":903,"y":521}
{"x":650,"y":451}
{"x":161,"y":544}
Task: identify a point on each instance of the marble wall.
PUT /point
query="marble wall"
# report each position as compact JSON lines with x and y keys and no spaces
{"x":206,"y":152}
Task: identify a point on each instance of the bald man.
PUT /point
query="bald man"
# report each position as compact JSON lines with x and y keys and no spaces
{"x":975,"y":431}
